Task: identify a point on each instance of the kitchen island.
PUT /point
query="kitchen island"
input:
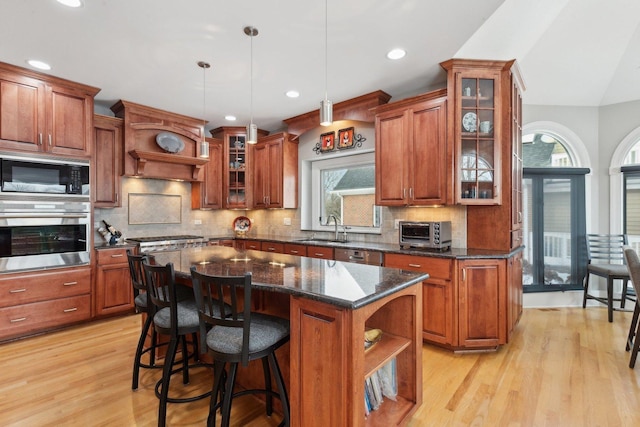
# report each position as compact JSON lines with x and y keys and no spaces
{"x":330,"y":305}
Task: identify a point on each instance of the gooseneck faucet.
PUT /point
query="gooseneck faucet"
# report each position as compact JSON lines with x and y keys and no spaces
{"x":335,"y":225}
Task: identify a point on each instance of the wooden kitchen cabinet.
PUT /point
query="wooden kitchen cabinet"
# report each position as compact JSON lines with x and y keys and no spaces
{"x":482,"y":299}
{"x":276,"y":247}
{"x":207,"y":194}
{"x":34,"y":302}
{"x":322,"y":252}
{"x":439,"y":296}
{"x":107,"y":167}
{"x":514,"y":292}
{"x":275,"y":172}
{"x":41,"y":113}
{"x":413,"y":164}
{"x":114,"y":291}
{"x":485,"y":128}
{"x":236,"y":168}
{"x":295,"y":249}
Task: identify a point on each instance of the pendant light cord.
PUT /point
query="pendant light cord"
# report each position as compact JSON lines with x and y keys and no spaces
{"x":251,"y":78}
{"x":326,"y":49}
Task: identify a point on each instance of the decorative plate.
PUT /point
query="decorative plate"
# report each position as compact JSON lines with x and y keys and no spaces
{"x":241,"y":224}
{"x":469,"y":122}
{"x":169,"y":142}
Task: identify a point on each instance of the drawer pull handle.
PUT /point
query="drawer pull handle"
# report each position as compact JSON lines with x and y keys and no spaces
{"x":70,"y":310}
{"x":19,"y":319}
{"x":294,"y":252}
{"x":17,"y":291}
{"x":415,"y":265}
{"x":69,"y":283}
{"x":117,"y":256}
{"x":318,"y":254}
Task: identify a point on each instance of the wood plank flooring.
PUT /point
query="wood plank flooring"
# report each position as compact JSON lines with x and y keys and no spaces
{"x":564,"y":367}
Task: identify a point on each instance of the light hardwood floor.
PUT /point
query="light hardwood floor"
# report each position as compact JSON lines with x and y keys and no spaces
{"x":564,"y":367}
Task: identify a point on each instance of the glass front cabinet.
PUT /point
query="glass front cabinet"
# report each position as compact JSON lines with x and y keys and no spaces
{"x":476,"y":115}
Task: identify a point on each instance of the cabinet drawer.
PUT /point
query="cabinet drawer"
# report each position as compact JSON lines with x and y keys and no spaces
{"x":31,"y":287}
{"x":320,"y":252}
{"x":253,"y":244}
{"x":293,"y":249}
{"x":272,"y":247}
{"x":37,"y":316}
{"x":111,"y":256}
{"x":438,"y":268}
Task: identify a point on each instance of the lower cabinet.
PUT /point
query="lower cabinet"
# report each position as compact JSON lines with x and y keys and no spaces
{"x":34,"y":302}
{"x":114,"y":292}
{"x":467,"y":303}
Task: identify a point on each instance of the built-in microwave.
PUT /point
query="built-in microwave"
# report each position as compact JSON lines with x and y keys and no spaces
{"x":429,"y":234}
{"x":28,"y":176}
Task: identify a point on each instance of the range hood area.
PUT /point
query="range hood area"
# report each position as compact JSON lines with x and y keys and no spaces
{"x":159,"y":144}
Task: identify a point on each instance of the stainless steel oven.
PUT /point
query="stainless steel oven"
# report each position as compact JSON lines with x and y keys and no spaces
{"x":44,"y":234}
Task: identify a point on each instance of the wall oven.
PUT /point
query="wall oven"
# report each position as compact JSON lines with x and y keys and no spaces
{"x":44,"y":234}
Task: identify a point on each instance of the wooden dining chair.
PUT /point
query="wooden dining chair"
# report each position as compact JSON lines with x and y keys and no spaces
{"x":606,"y":259}
{"x":633,"y":265}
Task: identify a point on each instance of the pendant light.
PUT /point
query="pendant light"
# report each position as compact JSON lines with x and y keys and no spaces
{"x":252,"y":129}
{"x":204,"y":145}
{"x":326,"y":107}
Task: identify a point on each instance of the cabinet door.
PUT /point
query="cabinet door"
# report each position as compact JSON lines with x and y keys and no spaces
{"x":430,"y":173}
{"x":438,"y":295}
{"x":114,"y":292}
{"x":108,"y":167}
{"x":392,"y":132}
{"x":22,"y":115}
{"x":69,"y":122}
{"x":208,"y":193}
{"x":322,"y":252}
{"x":481,"y":303}
{"x":274,"y":180}
{"x":514,"y":293}
{"x":260,"y":155}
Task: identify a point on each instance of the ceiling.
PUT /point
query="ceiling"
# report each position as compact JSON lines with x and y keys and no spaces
{"x":570,"y":52}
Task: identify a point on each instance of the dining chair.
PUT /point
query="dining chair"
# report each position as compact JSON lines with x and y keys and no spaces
{"x":633,"y":265}
{"x":236,"y":335}
{"x":606,"y":259}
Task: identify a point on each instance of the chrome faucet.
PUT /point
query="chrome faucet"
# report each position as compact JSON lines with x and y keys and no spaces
{"x":335,"y":225}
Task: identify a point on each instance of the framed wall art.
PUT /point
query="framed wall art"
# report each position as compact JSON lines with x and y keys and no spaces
{"x":345,"y":138}
{"x":327,"y":141}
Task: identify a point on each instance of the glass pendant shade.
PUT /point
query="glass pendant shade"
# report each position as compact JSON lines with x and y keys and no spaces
{"x":252,"y":133}
{"x":326,"y":112}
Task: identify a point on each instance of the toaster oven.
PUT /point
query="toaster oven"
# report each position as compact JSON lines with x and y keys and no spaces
{"x":427,"y":234}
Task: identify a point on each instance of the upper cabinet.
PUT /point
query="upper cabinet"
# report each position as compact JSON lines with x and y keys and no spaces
{"x":275,"y":172}
{"x":40,"y":113}
{"x":208,"y":193}
{"x":486,"y":132}
{"x":107,"y":169}
{"x":413,"y":161}
{"x":236,"y":175}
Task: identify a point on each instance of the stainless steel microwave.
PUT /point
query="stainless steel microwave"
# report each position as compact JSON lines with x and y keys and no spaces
{"x":32,"y":176}
{"x":428,"y":234}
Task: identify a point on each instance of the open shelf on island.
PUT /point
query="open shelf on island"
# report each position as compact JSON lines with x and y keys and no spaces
{"x":382,"y":352}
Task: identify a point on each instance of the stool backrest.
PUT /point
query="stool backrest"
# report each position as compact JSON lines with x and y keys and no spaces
{"x":211,"y":292}
{"x":606,"y":248}
{"x":137,"y":272}
{"x":633,"y":265}
{"x":161,"y":290}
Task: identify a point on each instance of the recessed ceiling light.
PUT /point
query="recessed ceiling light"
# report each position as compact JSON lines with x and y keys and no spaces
{"x":396,"y":53}
{"x":293,"y":93}
{"x":71,"y":3}
{"x":39,"y":64}
{"x":230,"y":118}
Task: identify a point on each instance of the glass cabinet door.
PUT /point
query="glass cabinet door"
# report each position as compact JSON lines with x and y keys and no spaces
{"x":237,"y":160}
{"x":478,"y":160}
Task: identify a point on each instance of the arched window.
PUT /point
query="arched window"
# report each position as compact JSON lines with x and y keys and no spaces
{"x":631,"y":195}
{"x":554,"y":225}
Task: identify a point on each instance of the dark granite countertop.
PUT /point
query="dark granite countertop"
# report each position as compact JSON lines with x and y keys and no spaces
{"x":342,"y":284}
{"x":455,"y":253}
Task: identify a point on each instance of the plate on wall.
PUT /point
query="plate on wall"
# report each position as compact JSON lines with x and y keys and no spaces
{"x":470,"y":122}
{"x":241,"y":224}
{"x":169,"y":142}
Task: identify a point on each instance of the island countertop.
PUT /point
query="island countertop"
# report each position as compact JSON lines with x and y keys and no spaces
{"x":338,"y":283}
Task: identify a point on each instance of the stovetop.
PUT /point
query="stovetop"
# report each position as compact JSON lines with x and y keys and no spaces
{"x":172,"y":239}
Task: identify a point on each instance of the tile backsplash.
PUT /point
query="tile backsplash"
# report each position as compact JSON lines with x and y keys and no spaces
{"x":153,"y":211}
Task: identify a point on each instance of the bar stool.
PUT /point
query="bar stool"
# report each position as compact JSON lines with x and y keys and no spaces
{"x":633,"y":343}
{"x":238,"y":336}
{"x":177,"y":319}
